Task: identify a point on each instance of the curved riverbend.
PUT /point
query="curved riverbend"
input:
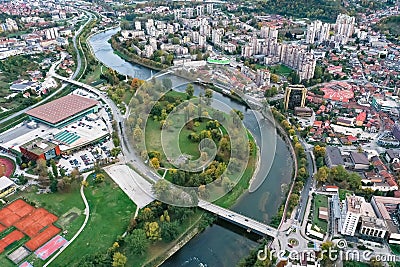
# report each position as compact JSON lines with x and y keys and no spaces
{"x":221,"y":244}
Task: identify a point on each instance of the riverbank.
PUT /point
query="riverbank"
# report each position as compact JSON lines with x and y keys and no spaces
{"x":133,"y":58}
{"x":264,"y":201}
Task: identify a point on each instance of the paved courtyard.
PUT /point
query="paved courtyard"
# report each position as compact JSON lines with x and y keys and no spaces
{"x":135,"y":186}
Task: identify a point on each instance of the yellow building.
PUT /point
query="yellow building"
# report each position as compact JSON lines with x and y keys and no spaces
{"x":6,"y":186}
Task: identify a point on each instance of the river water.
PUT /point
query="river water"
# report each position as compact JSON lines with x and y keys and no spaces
{"x":222,"y":244}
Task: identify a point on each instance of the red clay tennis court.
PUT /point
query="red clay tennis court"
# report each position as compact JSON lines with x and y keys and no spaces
{"x":9,"y":239}
{"x":50,"y":247}
{"x":2,"y":228}
{"x":35,"y":223}
{"x":42,"y":238}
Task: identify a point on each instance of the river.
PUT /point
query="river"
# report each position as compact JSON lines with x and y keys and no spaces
{"x":222,"y":244}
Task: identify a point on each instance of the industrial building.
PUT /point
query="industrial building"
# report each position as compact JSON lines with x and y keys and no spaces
{"x":64,"y":111}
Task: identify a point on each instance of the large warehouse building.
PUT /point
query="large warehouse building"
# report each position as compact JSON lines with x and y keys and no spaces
{"x":63,"y":111}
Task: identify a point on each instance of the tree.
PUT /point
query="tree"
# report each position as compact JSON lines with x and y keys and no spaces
{"x":119,"y":259}
{"x":318,"y":72}
{"x":319,"y":151}
{"x":190,"y":90}
{"x":153,"y":230}
{"x":338,"y":173}
{"x":169,"y":231}
{"x":161,"y":188}
{"x":322,"y":174}
{"x":41,"y":167}
{"x":208,"y":94}
{"x":99,"y":178}
{"x":115,"y":152}
{"x":138,"y":241}
{"x":294,"y":77}
{"x":53,"y":185}
{"x":175,"y":40}
{"x":275,"y":78}
{"x":137,"y":134}
{"x":146,"y":215}
{"x":155,"y":163}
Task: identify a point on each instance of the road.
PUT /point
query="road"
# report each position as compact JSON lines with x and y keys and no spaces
{"x":78,"y":55}
{"x":309,"y":183}
{"x":134,"y":186}
{"x":239,"y":219}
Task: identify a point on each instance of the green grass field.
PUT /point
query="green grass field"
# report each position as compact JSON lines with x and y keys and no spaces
{"x":110,"y":212}
{"x":280,"y":70}
{"x":93,"y":76}
{"x":320,"y":201}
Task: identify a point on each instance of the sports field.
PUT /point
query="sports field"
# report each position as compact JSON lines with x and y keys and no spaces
{"x":7,"y":166}
{"x":50,"y":247}
{"x":20,"y":221}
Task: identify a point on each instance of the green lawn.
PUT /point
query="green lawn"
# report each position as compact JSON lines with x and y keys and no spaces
{"x":110,"y":212}
{"x":320,"y":201}
{"x":280,"y":70}
{"x":93,"y":76}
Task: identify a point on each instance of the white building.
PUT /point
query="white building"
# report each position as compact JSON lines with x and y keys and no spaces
{"x":210,"y":8}
{"x":216,"y":37}
{"x":263,"y":77}
{"x":344,"y":27}
{"x":351,"y":213}
{"x":11,"y":25}
{"x":356,"y":209}
{"x":138,"y":25}
{"x":317,"y":31}
{"x":52,"y":33}
{"x":200,"y":10}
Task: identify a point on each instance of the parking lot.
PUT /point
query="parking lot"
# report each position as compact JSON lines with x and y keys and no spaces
{"x":85,"y":159}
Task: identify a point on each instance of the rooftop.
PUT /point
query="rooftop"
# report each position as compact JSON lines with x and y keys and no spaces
{"x":38,"y":146}
{"x":333,"y":153}
{"x":62,"y":108}
{"x":5,"y":182}
{"x":359,"y":158}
